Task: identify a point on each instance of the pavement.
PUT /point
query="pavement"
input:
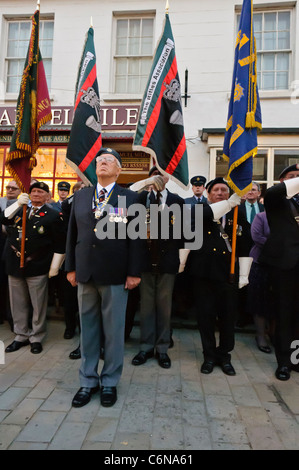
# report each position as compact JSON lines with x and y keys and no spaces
{"x":176,"y":409}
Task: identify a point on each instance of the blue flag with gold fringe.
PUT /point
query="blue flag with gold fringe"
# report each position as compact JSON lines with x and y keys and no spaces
{"x":244,"y":113}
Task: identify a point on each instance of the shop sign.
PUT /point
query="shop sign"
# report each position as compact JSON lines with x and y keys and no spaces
{"x":118,"y":117}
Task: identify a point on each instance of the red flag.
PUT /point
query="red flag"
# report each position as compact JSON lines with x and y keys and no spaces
{"x":33,"y":110}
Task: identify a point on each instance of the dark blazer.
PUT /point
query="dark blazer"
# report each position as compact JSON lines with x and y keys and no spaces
{"x":56,"y":205}
{"x":45,"y":235}
{"x":281,"y":249}
{"x":212,"y":260}
{"x":167,"y":249}
{"x":107,"y":261}
{"x":242,"y":208}
{"x":193,"y":200}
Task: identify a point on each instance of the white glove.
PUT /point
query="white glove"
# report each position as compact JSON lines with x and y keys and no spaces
{"x":13,"y":209}
{"x":292,"y":186}
{"x":56,"y":264}
{"x":183,"y":254}
{"x":157,"y":181}
{"x":221,"y":208}
{"x":244,"y":270}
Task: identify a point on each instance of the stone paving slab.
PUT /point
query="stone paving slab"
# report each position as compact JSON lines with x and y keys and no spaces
{"x":157,"y":409}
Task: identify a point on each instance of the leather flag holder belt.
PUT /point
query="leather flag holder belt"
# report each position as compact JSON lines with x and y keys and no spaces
{"x":225,"y":237}
{"x":31,"y":257}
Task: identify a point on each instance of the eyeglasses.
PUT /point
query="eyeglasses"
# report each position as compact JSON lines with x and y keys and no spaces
{"x":106,"y":159}
{"x":12,"y":188}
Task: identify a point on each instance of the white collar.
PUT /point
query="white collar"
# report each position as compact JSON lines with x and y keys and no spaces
{"x":108,"y":187}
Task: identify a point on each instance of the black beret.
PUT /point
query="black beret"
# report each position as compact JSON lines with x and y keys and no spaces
{"x":152,"y":170}
{"x":218,"y":180}
{"x":64,"y":185}
{"x":39,"y":185}
{"x":288,"y":169}
{"x":109,"y":151}
{"x":198,"y":181}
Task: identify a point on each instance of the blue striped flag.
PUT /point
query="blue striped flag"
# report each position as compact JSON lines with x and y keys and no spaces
{"x":244,"y":114}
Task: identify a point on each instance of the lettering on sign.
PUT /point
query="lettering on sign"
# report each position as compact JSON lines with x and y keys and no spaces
{"x":122,"y":117}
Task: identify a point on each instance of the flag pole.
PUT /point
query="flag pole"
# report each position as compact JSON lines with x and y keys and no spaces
{"x":234,"y":243}
{"x":167,"y":7}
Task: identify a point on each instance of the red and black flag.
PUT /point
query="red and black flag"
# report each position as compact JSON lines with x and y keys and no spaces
{"x":160,"y":128}
{"x":33,"y":110}
{"x":86,"y":138}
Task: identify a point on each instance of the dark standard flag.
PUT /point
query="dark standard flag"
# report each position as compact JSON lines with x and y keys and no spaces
{"x":33,"y":110}
{"x":244,"y":114}
{"x":85,"y":137}
{"x":160,"y":128}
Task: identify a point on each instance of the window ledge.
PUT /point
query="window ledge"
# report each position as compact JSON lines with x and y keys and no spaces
{"x":272,"y":94}
{"x":121,"y":97}
{"x":275,"y":94}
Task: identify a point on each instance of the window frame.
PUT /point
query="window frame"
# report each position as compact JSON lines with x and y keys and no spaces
{"x":278,"y":92}
{"x":7,"y":59}
{"x":130,"y":16}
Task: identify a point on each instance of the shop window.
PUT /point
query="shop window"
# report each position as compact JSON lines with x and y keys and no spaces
{"x":51,"y":168}
{"x":284,"y":158}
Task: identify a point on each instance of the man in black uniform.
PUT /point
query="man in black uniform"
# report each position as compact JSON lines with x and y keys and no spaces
{"x":214,"y":294}
{"x":158,"y":277}
{"x":44,"y":253}
{"x":281,"y":254}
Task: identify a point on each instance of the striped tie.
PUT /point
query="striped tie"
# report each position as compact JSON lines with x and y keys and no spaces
{"x":102,"y":194}
{"x":34,"y":210}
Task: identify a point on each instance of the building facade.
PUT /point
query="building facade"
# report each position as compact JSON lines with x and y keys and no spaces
{"x":126,"y":33}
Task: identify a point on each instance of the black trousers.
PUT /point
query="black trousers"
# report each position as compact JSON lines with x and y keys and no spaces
{"x":216,"y":306}
{"x":286,"y":301}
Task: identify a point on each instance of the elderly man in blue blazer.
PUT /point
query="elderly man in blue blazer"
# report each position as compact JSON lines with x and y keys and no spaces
{"x":104,"y":269}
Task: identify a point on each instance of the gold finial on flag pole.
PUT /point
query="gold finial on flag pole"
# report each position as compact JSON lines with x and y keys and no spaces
{"x":38,"y":4}
{"x":167,"y":7}
{"x":91,"y":25}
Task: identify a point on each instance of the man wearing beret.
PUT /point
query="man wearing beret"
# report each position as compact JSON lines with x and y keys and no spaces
{"x":104,"y":268}
{"x":63,"y":192}
{"x":198,"y":187}
{"x":44,"y":254}
{"x":214,"y":294}
{"x":280,"y":254}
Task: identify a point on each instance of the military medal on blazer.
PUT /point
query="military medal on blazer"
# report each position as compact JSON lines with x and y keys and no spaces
{"x":116,"y":214}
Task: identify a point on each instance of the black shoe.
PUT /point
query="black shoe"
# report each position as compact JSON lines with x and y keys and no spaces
{"x":83,"y":396}
{"x":227,"y":368}
{"x":207,"y":367}
{"x":164,"y":360}
{"x":142,"y":357}
{"x":69,"y":333}
{"x":283,"y":373}
{"x":36,"y":348}
{"x":16,"y":345}
{"x":76,"y":354}
{"x":108,"y":396}
{"x":265,"y":349}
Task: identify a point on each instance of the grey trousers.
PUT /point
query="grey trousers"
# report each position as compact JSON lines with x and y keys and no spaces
{"x":155,"y":311}
{"x":24,"y":292}
{"x":102,"y":315}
